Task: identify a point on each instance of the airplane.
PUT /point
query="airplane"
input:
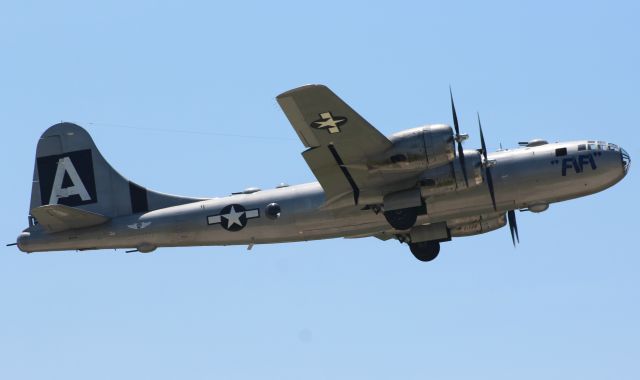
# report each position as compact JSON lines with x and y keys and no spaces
{"x":418,"y":186}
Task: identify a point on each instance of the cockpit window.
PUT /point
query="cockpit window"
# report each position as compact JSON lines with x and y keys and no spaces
{"x":561,"y":152}
{"x":582,"y":147}
{"x":592,"y":146}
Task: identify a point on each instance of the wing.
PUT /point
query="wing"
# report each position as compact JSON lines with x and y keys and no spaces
{"x":340,"y":141}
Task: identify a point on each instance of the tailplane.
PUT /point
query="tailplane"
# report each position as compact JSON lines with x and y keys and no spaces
{"x":57,"y":218}
{"x":70,"y":172}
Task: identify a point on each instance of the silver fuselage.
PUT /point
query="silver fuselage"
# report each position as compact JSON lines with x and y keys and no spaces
{"x":524,"y":178}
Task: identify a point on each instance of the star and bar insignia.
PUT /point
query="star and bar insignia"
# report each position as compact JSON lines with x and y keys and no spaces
{"x":233,"y":217}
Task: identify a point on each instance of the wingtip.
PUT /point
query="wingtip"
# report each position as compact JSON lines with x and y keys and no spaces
{"x":302,"y":88}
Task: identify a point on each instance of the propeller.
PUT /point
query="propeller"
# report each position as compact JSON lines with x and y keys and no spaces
{"x":459,"y":139}
{"x":487,"y":167}
{"x":511,"y":214}
{"x":513,"y":226}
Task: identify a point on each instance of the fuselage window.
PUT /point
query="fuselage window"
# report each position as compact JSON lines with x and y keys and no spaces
{"x":561,"y":152}
{"x":582,"y":147}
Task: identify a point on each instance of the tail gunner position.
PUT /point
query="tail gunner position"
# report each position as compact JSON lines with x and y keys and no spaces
{"x":418,"y":186}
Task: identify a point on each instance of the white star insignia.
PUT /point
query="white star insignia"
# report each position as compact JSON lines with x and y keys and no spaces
{"x":233,"y":217}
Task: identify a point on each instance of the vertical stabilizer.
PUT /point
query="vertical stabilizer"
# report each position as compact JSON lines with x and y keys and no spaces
{"x":70,"y":171}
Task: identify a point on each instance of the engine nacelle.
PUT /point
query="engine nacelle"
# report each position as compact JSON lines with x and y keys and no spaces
{"x":418,"y":149}
{"x":475,"y":225}
{"x":447,"y":178}
{"x":438,"y":140}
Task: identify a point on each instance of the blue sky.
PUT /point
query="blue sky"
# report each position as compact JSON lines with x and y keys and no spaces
{"x":564,"y":304}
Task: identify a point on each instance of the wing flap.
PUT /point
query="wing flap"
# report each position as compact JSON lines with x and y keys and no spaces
{"x":58,"y":218}
{"x":323,"y":165}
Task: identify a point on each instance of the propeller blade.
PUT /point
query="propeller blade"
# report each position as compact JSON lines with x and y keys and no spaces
{"x":490,"y":185}
{"x":487,"y":169}
{"x":484,"y":146}
{"x":513,"y":226}
{"x":455,"y":116}
{"x":457,"y":130}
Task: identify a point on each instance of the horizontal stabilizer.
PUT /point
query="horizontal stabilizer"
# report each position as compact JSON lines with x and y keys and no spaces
{"x":57,"y":218}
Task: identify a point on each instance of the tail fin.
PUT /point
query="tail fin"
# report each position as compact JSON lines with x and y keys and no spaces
{"x":70,"y":171}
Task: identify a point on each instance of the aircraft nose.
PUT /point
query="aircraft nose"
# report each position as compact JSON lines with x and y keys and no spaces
{"x":626,"y":160}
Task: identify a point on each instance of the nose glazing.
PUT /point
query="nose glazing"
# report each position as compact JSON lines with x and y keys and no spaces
{"x":626,"y":160}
